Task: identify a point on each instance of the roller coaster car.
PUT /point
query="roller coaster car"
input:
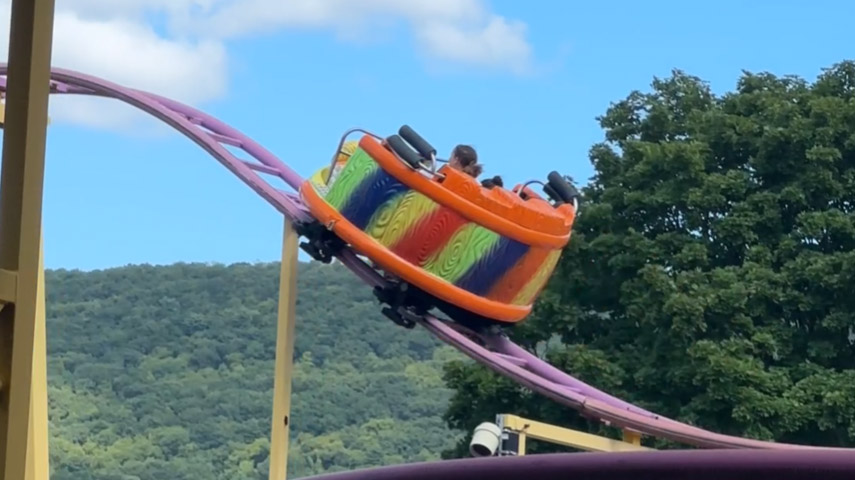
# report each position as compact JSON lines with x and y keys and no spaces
{"x":480,"y":255}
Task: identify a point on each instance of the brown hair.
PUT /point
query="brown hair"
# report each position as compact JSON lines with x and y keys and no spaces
{"x":468,"y":159}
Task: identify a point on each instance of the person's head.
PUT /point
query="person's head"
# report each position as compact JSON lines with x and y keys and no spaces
{"x":464,"y":158}
{"x":496,"y":181}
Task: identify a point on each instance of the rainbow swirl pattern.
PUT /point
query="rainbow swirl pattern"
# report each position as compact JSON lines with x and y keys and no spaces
{"x":436,"y":238}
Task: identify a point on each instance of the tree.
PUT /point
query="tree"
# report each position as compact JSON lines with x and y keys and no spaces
{"x":711,"y":272}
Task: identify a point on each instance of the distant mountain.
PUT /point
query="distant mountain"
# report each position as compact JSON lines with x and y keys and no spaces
{"x":167,"y":372}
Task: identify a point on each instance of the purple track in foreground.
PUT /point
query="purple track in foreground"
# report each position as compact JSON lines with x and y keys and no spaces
{"x":498,"y":353}
{"x":653,"y":465}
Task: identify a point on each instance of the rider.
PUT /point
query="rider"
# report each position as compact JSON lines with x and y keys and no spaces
{"x":464,"y":158}
{"x":496,"y":181}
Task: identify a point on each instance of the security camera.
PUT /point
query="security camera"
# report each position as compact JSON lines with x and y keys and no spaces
{"x":485,"y":440}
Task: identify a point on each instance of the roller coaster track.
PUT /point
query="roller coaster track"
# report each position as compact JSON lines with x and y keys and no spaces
{"x":494,"y":350}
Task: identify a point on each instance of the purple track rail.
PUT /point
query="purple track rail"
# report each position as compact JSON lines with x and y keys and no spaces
{"x":655,"y":465}
{"x":495,"y":351}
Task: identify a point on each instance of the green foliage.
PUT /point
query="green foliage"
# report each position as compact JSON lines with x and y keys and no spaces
{"x":167,"y":372}
{"x":710,"y":274}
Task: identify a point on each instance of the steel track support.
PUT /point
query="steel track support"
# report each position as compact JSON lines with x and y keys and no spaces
{"x":284,"y":363}
{"x":523,"y":429}
{"x":521,"y":443}
{"x":23,"y":415}
{"x":631,"y":436}
{"x":38,"y":458}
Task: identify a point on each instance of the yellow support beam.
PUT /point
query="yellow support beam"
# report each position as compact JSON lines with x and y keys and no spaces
{"x":38,"y":458}
{"x":531,"y":429}
{"x":21,"y":186}
{"x":3,"y":111}
{"x":284,"y":363}
{"x":632,"y":436}
{"x":8,"y":286}
{"x":521,"y":441}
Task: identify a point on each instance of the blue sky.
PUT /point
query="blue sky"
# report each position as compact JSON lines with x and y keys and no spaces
{"x":115,"y":196}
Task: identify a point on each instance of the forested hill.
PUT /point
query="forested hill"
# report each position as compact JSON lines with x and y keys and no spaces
{"x":167,"y":372}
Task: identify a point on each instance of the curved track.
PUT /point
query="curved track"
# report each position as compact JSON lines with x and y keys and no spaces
{"x":495,"y":351}
{"x":657,"y":465}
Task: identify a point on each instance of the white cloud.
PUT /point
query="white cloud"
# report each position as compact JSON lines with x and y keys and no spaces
{"x":459,"y":31}
{"x":499,"y":44}
{"x":186,"y":57}
{"x":132,"y":54}
{"x":127,"y":51}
